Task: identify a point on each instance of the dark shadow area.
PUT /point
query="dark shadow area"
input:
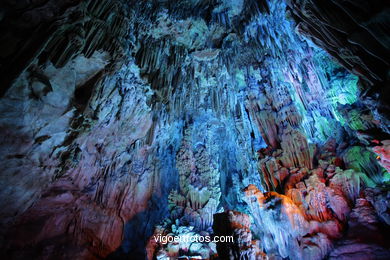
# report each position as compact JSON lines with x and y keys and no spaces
{"x":138,"y":231}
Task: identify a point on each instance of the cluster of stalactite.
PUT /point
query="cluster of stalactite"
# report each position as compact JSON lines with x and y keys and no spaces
{"x":137,"y":119}
{"x":193,"y":206}
{"x":198,"y":179}
{"x":297,"y":97}
{"x":355,"y":33}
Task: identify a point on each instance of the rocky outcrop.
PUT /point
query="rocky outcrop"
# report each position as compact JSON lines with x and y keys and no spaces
{"x":309,"y":218}
{"x":364,"y":238}
{"x":36,"y":126}
{"x":87,"y":199}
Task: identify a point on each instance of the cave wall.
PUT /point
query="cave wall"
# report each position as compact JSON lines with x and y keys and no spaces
{"x":72,"y":83}
{"x":355,"y":33}
{"x":126,"y":119}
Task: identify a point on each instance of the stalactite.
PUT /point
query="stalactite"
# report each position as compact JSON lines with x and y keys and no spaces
{"x":296,"y":151}
{"x":142,"y":118}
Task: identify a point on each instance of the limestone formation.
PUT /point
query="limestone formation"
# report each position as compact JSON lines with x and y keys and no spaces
{"x":265,"y":120}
